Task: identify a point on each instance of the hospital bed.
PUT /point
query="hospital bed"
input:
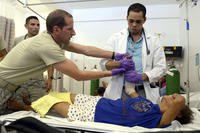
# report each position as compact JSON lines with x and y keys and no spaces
{"x":63,"y":123}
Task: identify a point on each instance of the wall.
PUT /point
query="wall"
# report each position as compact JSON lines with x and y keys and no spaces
{"x":94,"y":26}
{"x":195,"y":47}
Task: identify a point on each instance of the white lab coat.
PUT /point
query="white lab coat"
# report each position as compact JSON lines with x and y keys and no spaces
{"x":154,"y":65}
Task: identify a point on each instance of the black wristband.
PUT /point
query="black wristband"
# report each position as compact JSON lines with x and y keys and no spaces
{"x":113,"y":55}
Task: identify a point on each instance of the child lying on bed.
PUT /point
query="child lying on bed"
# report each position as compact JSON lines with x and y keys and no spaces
{"x":136,"y":111}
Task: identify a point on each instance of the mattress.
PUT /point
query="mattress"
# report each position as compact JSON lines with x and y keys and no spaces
{"x":59,"y":122}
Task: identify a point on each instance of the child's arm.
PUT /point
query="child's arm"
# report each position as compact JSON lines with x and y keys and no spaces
{"x":173,"y":111}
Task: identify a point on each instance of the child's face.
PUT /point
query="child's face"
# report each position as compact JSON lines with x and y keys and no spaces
{"x":168,"y":99}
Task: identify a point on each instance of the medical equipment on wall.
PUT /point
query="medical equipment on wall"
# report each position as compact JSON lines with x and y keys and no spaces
{"x":172,"y":52}
{"x":94,"y":84}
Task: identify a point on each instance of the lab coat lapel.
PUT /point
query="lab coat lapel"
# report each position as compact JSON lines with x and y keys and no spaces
{"x":122,"y":44}
{"x":144,"y":54}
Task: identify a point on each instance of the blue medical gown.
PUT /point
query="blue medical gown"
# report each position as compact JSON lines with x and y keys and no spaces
{"x":130,"y":112}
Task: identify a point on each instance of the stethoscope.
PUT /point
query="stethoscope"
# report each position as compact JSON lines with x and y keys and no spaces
{"x":145,"y":39}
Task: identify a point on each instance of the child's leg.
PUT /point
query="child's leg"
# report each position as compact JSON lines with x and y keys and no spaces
{"x":72,"y":97}
{"x":134,"y":94}
{"x":61,"y":108}
{"x":64,"y":96}
{"x":130,"y":89}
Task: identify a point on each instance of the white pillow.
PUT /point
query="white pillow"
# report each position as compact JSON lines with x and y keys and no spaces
{"x":194,"y":99}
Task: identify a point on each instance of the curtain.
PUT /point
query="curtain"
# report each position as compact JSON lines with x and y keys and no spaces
{"x":7,"y":24}
{"x":6,"y":8}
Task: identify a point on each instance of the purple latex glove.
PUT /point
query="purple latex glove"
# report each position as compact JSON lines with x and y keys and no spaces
{"x":117,"y":71}
{"x":133,"y":77}
{"x":119,"y":56}
{"x":127,"y":64}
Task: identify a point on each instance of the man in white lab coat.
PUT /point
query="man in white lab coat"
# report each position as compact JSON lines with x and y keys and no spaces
{"x":146,"y":52}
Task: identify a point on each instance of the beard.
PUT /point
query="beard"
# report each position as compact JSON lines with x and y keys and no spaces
{"x":135,"y":32}
{"x":65,"y":44}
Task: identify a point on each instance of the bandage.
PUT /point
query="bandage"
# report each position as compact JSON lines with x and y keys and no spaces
{"x":44,"y":104}
{"x":65,"y":96}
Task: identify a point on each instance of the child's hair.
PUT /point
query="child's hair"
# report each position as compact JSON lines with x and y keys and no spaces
{"x":186,"y":115}
{"x":100,"y":91}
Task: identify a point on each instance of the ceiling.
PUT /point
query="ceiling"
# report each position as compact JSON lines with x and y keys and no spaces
{"x":79,"y":4}
{"x":43,"y":7}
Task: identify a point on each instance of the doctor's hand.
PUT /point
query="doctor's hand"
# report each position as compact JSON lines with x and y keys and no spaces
{"x":118,"y":71}
{"x":127,"y":64}
{"x":133,"y":77}
{"x":48,"y":84}
{"x":119,"y":56}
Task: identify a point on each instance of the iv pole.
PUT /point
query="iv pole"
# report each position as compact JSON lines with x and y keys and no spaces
{"x":84,"y":67}
{"x":187,"y":36}
{"x":194,"y":2}
{"x":187,"y":32}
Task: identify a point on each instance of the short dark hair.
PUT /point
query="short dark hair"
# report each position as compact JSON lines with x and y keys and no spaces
{"x":137,"y":7}
{"x":31,"y":17}
{"x":56,"y":18}
{"x":186,"y":115}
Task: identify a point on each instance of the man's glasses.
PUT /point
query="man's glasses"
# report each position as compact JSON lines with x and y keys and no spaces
{"x":135,"y":21}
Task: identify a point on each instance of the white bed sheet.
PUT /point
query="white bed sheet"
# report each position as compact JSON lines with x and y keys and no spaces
{"x":100,"y":127}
